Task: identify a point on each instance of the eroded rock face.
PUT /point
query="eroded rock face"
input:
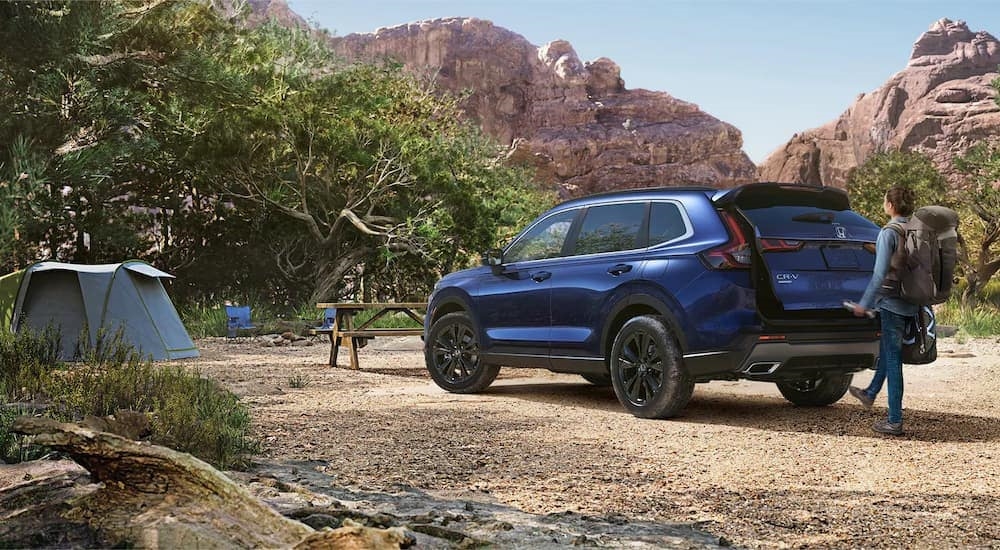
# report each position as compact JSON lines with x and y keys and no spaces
{"x":574,"y":121}
{"x":939,"y":105}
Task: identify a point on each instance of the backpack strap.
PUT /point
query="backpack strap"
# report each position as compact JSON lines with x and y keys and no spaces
{"x":898,"y":260}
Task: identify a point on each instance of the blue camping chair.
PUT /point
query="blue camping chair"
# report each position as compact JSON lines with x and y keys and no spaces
{"x":329,"y":317}
{"x":326,"y":323}
{"x":238,"y":319}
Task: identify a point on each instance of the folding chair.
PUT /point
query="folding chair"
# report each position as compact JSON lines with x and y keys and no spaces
{"x":326,"y":323}
{"x":238,"y":318}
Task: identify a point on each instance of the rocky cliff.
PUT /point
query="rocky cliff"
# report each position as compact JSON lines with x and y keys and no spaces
{"x":940,"y":104}
{"x":575,"y":122}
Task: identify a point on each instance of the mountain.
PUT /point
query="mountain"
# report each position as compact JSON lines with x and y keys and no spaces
{"x":939,"y":105}
{"x":575,"y":122}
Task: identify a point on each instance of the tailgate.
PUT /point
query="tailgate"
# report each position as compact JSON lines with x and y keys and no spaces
{"x":814,"y":251}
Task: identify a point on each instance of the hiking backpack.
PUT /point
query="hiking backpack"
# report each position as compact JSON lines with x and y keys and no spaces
{"x":922,"y":268}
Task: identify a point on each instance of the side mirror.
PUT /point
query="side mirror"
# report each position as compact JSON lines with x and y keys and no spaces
{"x":494,"y":259}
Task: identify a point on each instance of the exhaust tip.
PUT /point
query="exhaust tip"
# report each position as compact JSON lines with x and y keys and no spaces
{"x":762,"y":368}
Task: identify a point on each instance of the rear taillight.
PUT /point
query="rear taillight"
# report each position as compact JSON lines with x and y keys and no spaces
{"x":780,"y":245}
{"x":735,"y":253}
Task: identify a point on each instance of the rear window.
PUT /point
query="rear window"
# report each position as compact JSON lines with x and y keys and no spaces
{"x":611,"y":228}
{"x":806,"y":220}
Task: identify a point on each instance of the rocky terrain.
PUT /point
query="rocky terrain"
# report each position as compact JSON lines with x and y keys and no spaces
{"x":940,"y":105}
{"x":543,"y":460}
{"x":575,"y":121}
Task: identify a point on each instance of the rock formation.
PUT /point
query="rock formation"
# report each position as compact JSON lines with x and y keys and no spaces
{"x":575,"y":122}
{"x":939,"y":105}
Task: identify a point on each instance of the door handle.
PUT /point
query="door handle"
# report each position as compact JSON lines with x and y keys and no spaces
{"x":540,"y":276}
{"x":619,"y":269}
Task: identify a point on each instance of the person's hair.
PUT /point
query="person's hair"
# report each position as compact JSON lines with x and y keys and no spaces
{"x":902,"y":199}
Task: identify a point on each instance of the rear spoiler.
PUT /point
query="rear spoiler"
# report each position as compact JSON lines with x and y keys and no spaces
{"x":760,"y":195}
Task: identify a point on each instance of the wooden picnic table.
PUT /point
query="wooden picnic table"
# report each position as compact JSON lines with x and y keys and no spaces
{"x":343,"y":332}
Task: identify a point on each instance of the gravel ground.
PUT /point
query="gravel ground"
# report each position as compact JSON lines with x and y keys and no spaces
{"x":740,"y":462}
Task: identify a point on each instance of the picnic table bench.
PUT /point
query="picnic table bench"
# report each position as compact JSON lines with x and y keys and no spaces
{"x":343,"y":332}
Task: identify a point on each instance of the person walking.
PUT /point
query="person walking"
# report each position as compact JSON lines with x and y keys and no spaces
{"x":893,"y":312}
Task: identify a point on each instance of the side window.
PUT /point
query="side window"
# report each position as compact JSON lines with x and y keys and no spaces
{"x":611,"y":228}
{"x":666,"y":223}
{"x":544,"y":240}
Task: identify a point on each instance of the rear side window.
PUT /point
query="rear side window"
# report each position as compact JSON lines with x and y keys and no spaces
{"x":611,"y":228}
{"x":666,"y":223}
{"x":806,"y":221}
{"x":543,"y":240}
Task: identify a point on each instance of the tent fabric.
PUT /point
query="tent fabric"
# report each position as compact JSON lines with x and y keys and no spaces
{"x":127,"y":297}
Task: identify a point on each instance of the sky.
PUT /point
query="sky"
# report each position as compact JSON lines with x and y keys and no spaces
{"x":771,"y":68}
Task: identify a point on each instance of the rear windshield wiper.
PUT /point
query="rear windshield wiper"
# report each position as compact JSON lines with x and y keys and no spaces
{"x":815,"y":217}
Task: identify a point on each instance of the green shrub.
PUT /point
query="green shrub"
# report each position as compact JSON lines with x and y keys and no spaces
{"x":189,"y":413}
{"x":204,"y":320}
{"x":979,"y":320}
{"x":391,"y":320}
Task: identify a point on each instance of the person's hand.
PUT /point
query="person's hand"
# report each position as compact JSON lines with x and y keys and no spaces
{"x":859,"y":311}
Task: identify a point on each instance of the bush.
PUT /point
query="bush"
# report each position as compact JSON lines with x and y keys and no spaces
{"x":189,"y":413}
{"x":981,"y":319}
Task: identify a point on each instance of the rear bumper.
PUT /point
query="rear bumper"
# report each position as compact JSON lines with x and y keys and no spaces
{"x":794,"y":357}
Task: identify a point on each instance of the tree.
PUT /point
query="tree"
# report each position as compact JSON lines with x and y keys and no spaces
{"x":981,"y":167}
{"x":387,"y":184}
{"x":867,"y":184}
{"x":245,"y":160}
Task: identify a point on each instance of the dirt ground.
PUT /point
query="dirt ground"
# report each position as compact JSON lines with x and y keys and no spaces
{"x":740,"y":462}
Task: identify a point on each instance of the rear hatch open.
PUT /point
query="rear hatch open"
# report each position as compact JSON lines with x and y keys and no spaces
{"x":810,"y":252}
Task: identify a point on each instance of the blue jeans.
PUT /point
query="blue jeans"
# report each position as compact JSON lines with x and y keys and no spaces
{"x":890,"y":363}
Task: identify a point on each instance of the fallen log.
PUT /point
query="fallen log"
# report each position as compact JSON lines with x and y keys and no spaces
{"x":156,"y":497}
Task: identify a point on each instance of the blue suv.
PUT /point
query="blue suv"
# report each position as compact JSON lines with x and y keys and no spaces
{"x":653,"y":290}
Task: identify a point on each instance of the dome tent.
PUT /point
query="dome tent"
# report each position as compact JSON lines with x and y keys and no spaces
{"x":128,"y":296}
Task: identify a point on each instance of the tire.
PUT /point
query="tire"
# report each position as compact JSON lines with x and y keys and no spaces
{"x":647,"y":371}
{"x":452,"y":356}
{"x":816,"y":392}
{"x":603,"y":380}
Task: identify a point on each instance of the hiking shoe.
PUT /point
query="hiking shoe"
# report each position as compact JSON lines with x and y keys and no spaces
{"x":862,"y":396}
{"x":886,"y":427}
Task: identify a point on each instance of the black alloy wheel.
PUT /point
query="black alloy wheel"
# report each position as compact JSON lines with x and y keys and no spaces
{"x":817,"y":391}
{"x":453,"y":358}
{"x":647,"y":371}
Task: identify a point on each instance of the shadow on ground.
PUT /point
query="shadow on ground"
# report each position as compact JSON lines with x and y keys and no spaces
{"x":770,"y":413}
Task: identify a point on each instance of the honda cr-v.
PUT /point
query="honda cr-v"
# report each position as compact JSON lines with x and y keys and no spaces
{"x":653,"y":290}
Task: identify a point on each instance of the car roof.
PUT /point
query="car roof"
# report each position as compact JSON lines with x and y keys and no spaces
{"x":717,"y":195}
{"x":637,"y":194}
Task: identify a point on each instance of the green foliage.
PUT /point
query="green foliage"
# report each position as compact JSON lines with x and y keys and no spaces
{"x":203,"y":320}
{"x":867,"y":184}
{"x":208,"y":319}
{"x":391,"y":320}
{"x":240,"y":159}
{"x":980,"y":166}
{"x":189,"y":413}
{"x":980,"y":318}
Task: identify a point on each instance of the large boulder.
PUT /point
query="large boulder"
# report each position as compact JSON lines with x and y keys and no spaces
{"x":939,"y":105}
{"x":574,"y":121}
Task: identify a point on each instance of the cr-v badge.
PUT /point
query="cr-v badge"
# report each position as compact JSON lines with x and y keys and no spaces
{"x":786,"y":278}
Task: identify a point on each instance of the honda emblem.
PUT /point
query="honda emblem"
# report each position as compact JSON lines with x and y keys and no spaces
{"x":841,"y":232}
